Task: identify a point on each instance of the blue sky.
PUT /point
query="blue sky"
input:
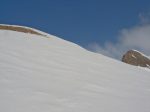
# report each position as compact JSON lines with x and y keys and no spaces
{"x":80,"y":21}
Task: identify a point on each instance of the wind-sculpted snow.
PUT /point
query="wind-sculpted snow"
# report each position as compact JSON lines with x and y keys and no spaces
{"x":40,"y":74}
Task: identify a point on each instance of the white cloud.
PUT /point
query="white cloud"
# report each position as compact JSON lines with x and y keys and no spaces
{"x":134,"y":38}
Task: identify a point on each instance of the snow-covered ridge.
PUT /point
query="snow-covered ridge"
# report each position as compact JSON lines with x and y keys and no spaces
{"x":36,"y":32}
{"x":33,"y":31}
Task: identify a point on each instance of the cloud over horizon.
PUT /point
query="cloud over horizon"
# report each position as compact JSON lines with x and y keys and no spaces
{"x":137,"y":37}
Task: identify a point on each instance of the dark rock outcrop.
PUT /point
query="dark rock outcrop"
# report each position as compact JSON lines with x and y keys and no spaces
{"x":136,"y":58}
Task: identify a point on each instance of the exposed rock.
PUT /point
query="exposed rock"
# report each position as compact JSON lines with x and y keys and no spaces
{"x":19,"y":29}
{"x":136,"y":58}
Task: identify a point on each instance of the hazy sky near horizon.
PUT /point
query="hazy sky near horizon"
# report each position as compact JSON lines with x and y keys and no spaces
{"x":88,"y":23}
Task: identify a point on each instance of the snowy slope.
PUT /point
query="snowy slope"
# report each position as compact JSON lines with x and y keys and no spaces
{"x":39,"y":74}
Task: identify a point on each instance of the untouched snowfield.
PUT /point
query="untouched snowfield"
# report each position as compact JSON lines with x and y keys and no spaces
{"x":39,"y":74}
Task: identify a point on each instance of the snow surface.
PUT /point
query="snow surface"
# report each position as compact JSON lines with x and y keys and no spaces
{"x":133,"y":56}
{"x":39,"y":74}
